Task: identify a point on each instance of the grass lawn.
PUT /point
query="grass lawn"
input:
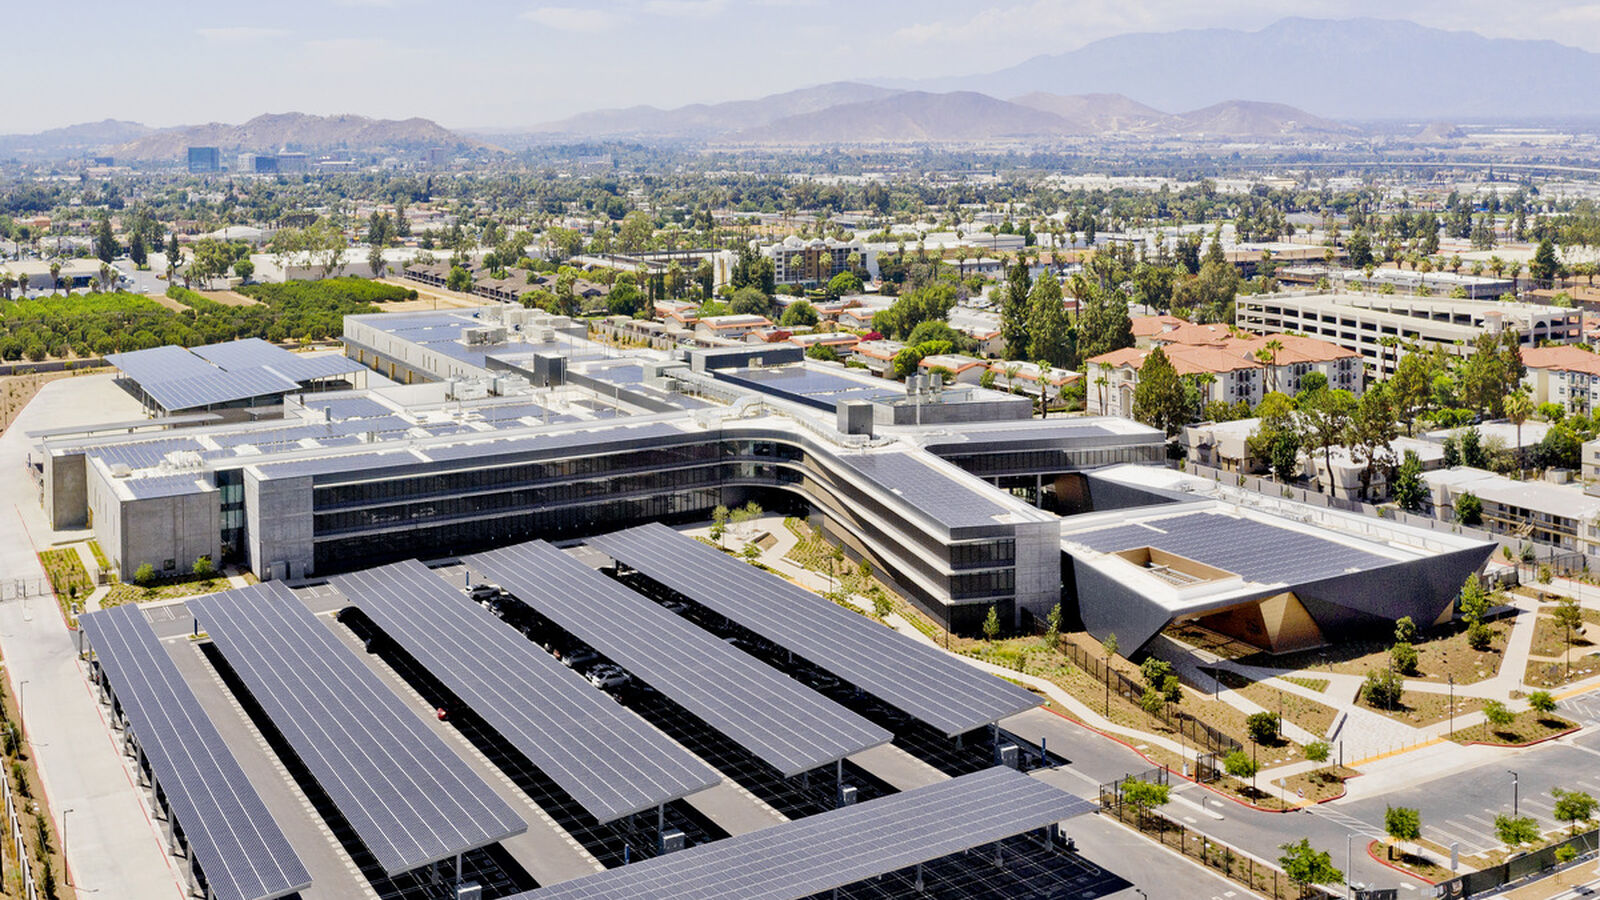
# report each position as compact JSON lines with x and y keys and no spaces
{"x":1426,"y":708}
{"x":68,"y":578}
{"x":1311,"y":684}
{"x":1527,"y":727}
{"x":163,"y":590}
{"x":1412,"y":863}
{"x":1441,"y":652}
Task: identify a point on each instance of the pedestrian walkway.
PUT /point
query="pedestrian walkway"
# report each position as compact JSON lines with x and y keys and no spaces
{"x":114,"y":849}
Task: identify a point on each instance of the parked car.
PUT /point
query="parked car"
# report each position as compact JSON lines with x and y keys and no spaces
{"x":578,"y":658}
{"x":607,"y":677}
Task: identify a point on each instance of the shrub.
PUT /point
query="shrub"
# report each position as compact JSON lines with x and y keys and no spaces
{"x":1404,"y":657}
{"x":145,"y":574}
{"x":1263,"y":727}
{"x":203,"y":567}
{"x":1382,"y":688}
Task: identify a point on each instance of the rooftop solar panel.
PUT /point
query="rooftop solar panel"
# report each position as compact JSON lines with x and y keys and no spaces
{"x":348,"y":407}
{"x":164,"y":486}
{"x":254,"y":353}
{"x":143,"y":454}
{"x":217,"y":386}
{"x":607,"y":758}
{"x":240,"y":851}
{"x":931,"y":686}
{"x":779,"y":720}
{"x":406,"y":795}
{"x":164,"y":363}
{"x":840,"y":847}
{"x":1257,"y":551}
{"x":946,"y":500}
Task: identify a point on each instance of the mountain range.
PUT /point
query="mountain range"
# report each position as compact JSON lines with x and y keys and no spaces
{"x":847,"y":112}
{"x":265,"y":133}
{"x":1361,"y":69}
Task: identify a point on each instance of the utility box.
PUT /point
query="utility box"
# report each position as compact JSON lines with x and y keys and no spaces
{"x":673,"y":840}
{"x":1009,"y":755}
{"x":847,"y":795}
{"x":469,"y":891}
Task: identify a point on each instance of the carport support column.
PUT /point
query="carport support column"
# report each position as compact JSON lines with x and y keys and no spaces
{"x":919,"y":878}
{"x":838,"y":782}
{"x":994,"y":733}
{"x":458,"y":871}
{"x":661,"y":828}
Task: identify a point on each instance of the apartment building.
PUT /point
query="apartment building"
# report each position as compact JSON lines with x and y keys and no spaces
{"x":1562,"y":515}
{"x":1568,"y":374}
{"x":1361,"y":322}
{"x":814,"y":262}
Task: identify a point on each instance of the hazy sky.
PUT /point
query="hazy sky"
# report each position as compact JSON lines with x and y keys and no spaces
{"x":505,"y":64}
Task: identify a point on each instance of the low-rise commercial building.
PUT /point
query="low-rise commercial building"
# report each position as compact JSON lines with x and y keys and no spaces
{"x":1561,"y":515}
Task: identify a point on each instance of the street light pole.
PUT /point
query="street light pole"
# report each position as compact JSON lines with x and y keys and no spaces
{"x":22,"y":714}
{"x":1452,"y":705}
{"x":65,"y":866}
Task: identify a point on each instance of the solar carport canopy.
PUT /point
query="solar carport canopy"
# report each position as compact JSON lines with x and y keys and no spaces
{"x":408,"y":798}
{"x":606,"y":757}
{"x":839,"y":847}
{"x":787,"y":725}
{"x":239,"y":850}
{"x":922,"y":682}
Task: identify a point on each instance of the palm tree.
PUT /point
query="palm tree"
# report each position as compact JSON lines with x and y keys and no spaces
{"x":1272,"y":347}
{"x":1497,"y":265}
{"x":55,"y":276}
{"x":1101,"y":383}
{"x":106,"y":273}
{"x":1518,"y":408}
{"x":1391,"y":346}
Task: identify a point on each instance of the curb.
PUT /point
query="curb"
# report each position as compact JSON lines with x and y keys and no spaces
{"x":1384,"y":862}
{"x":1557,"y":736}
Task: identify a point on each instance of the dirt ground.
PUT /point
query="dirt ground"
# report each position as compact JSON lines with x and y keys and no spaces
{"x":17,"y":390}
{"x":228,"y":298}
{"x":429,"y":298}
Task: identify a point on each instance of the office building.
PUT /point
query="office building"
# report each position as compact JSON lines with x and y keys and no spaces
{"x":205,"y":160}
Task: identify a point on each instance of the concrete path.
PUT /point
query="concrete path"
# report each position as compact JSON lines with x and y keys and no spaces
{"x":113,"y":848}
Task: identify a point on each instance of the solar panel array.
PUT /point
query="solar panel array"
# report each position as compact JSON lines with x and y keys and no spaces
{"x":222,"y":373}
{"x":253,"y":353}
{"x":239,"y":849}
{"x":603,"y":755}
{"x":406,"y":795}
{"x":840,"y":847}
{"x":926,"y":684}
{"x":1255,"y":550}
{"x":143,"y":454}
{"x":348,"y":407}
{"x":947,"y":500}
{"x":782,"y":722}
{"x":164,"y":486}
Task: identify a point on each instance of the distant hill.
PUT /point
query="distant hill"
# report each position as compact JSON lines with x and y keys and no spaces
{"x":913,"y":116}
{"x":1243,"y":118}
{"x":74,"y":139}
{"x":1099,"y":113}
{"x":703,"y":120}
{"x":1347,"y":69}
{"x":273,"y":131}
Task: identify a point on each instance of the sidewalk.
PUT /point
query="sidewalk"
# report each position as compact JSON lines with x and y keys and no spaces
{"x":113,"y":848}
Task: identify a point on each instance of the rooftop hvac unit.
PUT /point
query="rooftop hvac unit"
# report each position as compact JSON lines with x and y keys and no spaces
{"x":474,"y":334}
{"x":120,"y":470}
{"x":1009,"y":755}
{"x":547,"y":335}
{"x":510,"y":385}
{"x":673,"y":840}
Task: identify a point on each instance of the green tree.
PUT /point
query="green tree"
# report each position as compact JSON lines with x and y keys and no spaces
{"x":1262,"y":727}
{"x":1371,"y":433}
{"x":244,"y":268}
{"x":1241,"y":765}
{"x":1103,"y":321}
{"x":1573,"y":807}
{"x":1144,"y":796}
{"x":1051,"y":336}
{"x":1014,"y":308}
{"x":1404,"y":658}
{"x":1469,"y":509}
{"x":1052,"y":631}
{"x":1402,"y":823}
{"x":1307,"y":866}
{"x":1514,"y":832}
{"x":1317,"y":751}
{"x":1405,"y":630}
{"x":991,"y":624}
{"x":1382,"y":689}
{"x":138,"y":251}
{"x":1109,"y":645}
{"x":801,"y":313}
{"x":203,"y":567}
{"x":1159,"y":398}
{"x":459,"y":279}
{"x":1496,"y":715}
{"x":843,"y":284}
{"x":1408,"y":488}
{"x":105,"y":243}
{"x":1542,"y":703}
{"x":1325,"y":418}
{"x":1544,"y":267}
